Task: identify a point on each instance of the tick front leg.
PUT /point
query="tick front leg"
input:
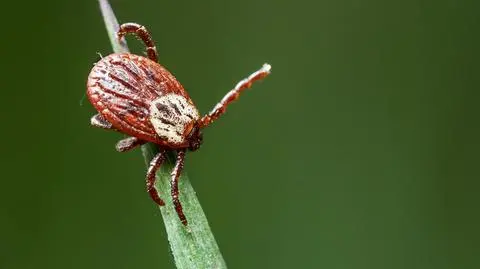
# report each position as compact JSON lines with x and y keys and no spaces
{"x":100,"y":122}
{"x":143,"y":34}
{"x":233,"y":95}
{"x":155,"y":164}
{"x":129,"y":143}
{"x":176,"y":172}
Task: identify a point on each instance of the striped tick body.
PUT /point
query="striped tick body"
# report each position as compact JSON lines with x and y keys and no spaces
{"x":137,"y":96}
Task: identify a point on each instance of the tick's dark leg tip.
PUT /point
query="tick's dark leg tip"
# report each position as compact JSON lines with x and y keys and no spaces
{"x":159,"y":202}
{"x":154,"y":195}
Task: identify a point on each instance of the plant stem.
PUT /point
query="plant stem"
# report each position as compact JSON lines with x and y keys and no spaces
{"x":193,"y":246}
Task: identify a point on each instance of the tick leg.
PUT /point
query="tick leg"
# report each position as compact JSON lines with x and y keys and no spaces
{"x":100,"y":122}
{"x":233,"y":95}
{"x":141,"y":33}
{"x":155,"y":164}
{"x":129,"y":143}
{"x":122,"y":145}
{"x":176,"y":172}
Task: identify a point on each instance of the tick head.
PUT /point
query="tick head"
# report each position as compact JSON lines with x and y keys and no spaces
{"x":195,"y":138}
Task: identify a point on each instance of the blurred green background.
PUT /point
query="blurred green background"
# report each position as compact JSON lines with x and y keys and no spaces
{"x":361,"y":150}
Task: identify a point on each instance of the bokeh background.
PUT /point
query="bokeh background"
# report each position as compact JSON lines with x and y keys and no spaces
{"x":360,"y":151}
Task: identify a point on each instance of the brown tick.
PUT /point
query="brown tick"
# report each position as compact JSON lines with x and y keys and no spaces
{"x":139,"y":97}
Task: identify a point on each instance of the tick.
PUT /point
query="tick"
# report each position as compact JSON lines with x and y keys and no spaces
{"x":137,"y":96}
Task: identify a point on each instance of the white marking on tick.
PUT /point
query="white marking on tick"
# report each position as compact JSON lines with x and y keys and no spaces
{"x":170,"y":115}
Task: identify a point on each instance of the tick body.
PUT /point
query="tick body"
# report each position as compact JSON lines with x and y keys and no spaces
{"x":137,"y":96}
